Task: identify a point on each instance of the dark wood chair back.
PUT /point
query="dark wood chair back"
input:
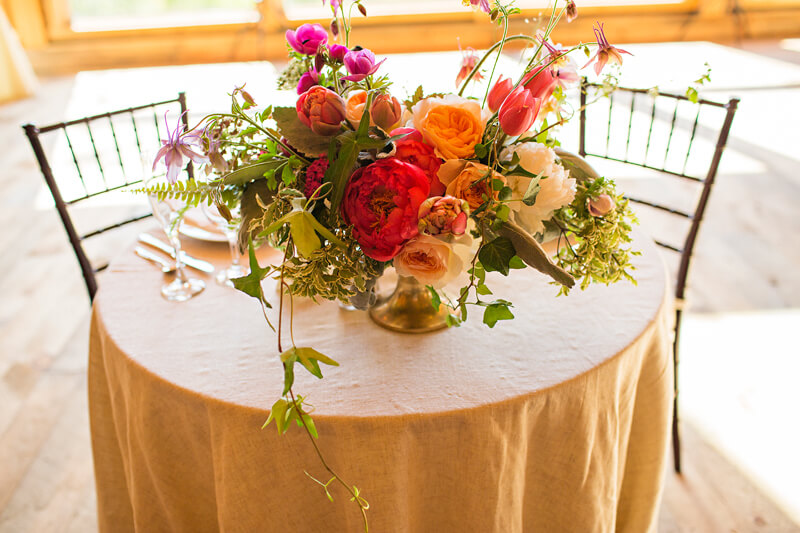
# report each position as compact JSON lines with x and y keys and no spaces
{"x":95,"y":155}
{"x":670,"y":135}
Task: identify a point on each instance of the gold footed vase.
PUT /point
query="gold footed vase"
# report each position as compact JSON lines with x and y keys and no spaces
{"x":409,"y":309}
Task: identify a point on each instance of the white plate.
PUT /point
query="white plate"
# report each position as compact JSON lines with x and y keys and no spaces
{"x":201,"y":234}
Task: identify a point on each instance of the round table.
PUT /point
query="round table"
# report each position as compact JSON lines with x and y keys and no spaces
{"x":555,"y":421}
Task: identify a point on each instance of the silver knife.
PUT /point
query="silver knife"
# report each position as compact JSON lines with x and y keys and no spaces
{"x":192,"y":262}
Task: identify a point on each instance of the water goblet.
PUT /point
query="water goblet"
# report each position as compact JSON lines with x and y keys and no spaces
{"x":169,"y":214}
{"x":229,"y":228}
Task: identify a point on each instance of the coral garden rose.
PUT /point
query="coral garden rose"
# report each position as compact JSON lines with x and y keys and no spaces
{"x":307,"y":38}
{"x":432,"y":261}
{"x":322,"y":110}
{"x":557,"y":188}
{"x":382,"y":202}
{"x":463,"y":180}
{"x":443,"y":215}
{"x":452,"y":125}
{"x":412,"y":149}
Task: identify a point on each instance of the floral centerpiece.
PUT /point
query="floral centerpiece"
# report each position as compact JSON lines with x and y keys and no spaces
{"x":356,"y":178}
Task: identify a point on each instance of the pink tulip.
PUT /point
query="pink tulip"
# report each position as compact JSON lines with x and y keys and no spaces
{"x":502,"y":88}
{"x":519,"y":111}
{"x":307,"y":38}
{"x":541,"y":82}
{"x":322,"y":110}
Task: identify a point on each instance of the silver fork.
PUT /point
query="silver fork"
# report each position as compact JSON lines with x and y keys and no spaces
{"x":167,"y":267}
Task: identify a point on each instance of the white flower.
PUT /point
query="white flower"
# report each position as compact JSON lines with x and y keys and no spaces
{"x":557,"y":188}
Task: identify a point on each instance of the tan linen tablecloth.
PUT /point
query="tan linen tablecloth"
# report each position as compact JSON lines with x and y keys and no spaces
{"x":554,"y":422}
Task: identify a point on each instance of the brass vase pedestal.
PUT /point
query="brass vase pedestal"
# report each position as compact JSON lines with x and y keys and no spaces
{"x":409,"y":309}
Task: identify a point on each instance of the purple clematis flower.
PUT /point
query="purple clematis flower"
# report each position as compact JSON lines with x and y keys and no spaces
{"x":177,"y":146}
{"x":605,"y":52}
{"x":307,"y":81}
{"x":360,"y":64}
{"x":307,"y":38}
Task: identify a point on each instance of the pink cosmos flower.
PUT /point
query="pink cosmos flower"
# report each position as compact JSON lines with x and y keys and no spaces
{"x":605,"y":52}
{"x":177,"y":146}
{"x":360,"y":64}
{"x":307,"y":38}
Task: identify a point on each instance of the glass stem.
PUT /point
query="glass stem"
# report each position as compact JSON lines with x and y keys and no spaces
{"x":176,"y":244}
{"x":233,"y":245}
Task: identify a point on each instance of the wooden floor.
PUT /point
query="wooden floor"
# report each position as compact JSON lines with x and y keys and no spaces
{"x":749,"y":258}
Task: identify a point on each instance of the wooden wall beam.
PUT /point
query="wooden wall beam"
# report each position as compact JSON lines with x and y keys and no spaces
{"x":256,"y":42}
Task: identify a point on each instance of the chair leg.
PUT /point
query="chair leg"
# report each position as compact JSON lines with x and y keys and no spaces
{"x":676,"y":438}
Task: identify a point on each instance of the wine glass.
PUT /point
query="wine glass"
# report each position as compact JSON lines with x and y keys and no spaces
{"x":229,"y":228}
{"x":169,"y":214}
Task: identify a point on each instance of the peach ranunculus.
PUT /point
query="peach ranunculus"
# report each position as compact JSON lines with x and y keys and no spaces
{"x":432,"y":261}
{"x":458,"y":176}
{"x":557,"y":188}
{"x":354,"y":107}
{"x":452,"y":125}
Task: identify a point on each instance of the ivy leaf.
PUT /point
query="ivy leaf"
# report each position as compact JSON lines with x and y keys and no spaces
{"x":496,"y":311}
{"x":435,"y":299}
{"x":278,"y":414}
{"x":496,"y":255}
{"x":517,"y":263}
{"x":251,"y":283}
{"x":288,"y":371}
{"x":298,"y":135}
{"x":309,"y":358}
{"x":309,"y":423}
{"x":483,"y":290}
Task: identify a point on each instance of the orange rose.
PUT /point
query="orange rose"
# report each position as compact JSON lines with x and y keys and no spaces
{"x":460,"y":178}
{"x":452,"y":125}
{"x":355,"y":107}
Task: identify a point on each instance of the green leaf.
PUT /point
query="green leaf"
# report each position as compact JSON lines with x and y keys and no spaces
{"x":435,"y":299}
{"x":251,"y":283}
{"x":482,"y":289}
{"x":496,"y":255}
{"x":252,"y":172}
{"x":278,"y":414}
{"x":288,"y":372}
{"x":692,"y":95}
{"x":309,"y":358}
{"x":517,"y":263}
{"x":505,"y":194}
{"x":303,"y":235}
{"x":309,"y":423}
{"x":481,"y":151}
{"x":341,"y":169}
{"x":529,"y":198}
{"x":495,"y":312}
{"x":530,"y":251}
{"x":251,"y":210}
{"x":298,"y":135}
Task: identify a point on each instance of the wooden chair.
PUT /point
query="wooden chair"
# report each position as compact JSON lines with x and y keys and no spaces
{"x":676,"y":139}
{"x":97,"y":155}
